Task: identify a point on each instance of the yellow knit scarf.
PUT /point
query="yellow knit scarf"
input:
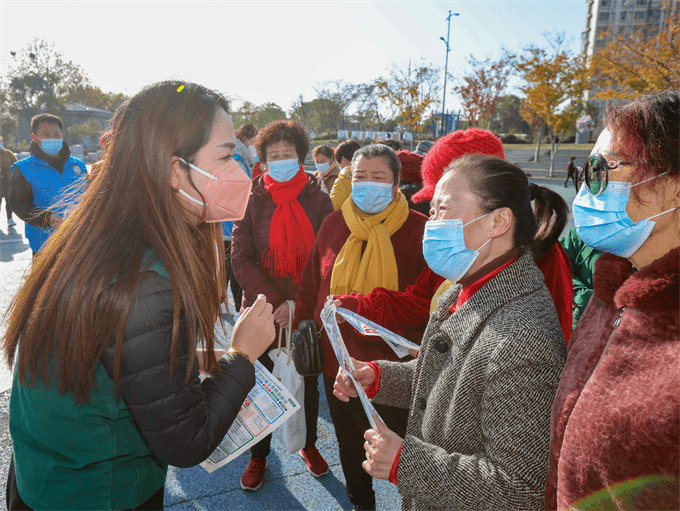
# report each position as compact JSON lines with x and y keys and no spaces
{"x":434,"y":304}
{"x":377,"y":267}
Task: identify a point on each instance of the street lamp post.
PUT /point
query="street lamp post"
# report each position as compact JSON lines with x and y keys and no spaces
{"x":446,"y":66}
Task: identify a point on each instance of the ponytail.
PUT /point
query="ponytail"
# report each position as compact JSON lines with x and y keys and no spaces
{"x":550,"y":214}
{"x":498,"y":183}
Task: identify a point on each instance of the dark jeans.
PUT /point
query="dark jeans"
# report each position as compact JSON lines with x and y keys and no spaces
{"x":262,"y":448}
{"x":236,"y":290}
{"x":350,"y":424}
{"x":4,"y":191}
{"x":14,"y":502}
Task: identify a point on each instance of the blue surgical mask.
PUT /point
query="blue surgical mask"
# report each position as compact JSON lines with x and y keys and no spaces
{"x":371,"y":197}
{"x":444,"y":248}
{"x":323,"y":167}
{"x":283,"y":171}
{"x":51,"y":146}
{"x":603,"y":223}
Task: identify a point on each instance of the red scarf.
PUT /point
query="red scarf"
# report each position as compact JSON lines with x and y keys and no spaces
{"x":291,"y":234}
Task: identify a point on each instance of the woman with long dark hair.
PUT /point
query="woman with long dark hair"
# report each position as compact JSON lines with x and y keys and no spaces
{"x":104,"y":331}
{"x":480,"y":392}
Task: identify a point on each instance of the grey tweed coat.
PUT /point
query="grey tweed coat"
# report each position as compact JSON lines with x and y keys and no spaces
{"x":480,"y":396}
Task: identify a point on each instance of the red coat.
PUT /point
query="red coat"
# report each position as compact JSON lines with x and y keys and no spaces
{"x":615,"y":426}
{"x":316,"y":282}
{"x":400,"y":312}
{"x":250,"y":238}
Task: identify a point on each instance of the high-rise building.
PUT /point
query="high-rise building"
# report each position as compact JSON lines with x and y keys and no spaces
{"x":607,"y":18}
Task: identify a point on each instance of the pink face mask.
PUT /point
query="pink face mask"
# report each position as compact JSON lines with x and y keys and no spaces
{"x":227,"y":192}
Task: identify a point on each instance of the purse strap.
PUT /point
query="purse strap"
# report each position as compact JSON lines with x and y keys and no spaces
{"x":288,"y":329}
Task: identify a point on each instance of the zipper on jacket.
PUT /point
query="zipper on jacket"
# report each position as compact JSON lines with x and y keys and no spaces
{"x":618,"y":320}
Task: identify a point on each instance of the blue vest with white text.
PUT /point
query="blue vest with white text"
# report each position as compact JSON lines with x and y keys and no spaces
{"x":49,"y":186}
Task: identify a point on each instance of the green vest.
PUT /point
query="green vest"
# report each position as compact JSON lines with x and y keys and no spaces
{"x":81,"y":456}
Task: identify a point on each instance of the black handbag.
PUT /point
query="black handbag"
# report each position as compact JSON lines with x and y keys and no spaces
{"x":307,"y":349}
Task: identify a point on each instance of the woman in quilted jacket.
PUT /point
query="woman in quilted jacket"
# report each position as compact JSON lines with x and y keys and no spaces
{"x":480,"y":392}
{"x":269,"y":249}
{"x":104,"y":331}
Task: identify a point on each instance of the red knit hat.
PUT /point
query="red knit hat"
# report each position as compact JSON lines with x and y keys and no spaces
{"x":449,"y":148}
{"x":410,"y":166}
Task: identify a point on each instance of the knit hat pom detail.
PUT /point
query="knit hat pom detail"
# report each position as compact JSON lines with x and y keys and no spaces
{"x":451,"y":147}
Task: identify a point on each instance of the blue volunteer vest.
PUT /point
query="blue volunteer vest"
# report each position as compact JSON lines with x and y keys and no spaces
{"x":48,"y":187}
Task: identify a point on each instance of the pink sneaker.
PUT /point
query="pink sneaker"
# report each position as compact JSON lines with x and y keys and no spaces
{"x":316,"y":464}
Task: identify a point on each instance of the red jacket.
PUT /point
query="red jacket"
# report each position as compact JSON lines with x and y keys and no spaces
{"x":316,"y":282}
{"x":401,"y":311}
{"x":250,"y":238}
{"x":615,"y":426}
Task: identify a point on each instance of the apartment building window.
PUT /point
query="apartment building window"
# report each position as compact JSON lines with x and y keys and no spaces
{"x":606,"y":3}
{"x":623,"y":15}
{"x":603,"y":17}
{"x":640,"y":2}
{"x":640,"y":15}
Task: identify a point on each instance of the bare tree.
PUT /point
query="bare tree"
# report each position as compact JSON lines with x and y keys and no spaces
{"x":335,"y":97}
{"x":412,"y":90}
{"x":40,"y":77}
{"x":480,"y":90}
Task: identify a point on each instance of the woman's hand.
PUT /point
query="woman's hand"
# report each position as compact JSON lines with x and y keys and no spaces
{"x":344,"y":389}
{"x":282,"y":315}
{"x":254,"y":331}
{"x":382,"y":447}
{"x":200,"y":356}
{"x":338,"y":317}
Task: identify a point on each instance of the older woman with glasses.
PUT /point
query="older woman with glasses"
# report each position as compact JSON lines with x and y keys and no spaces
{"x":615,"y":435}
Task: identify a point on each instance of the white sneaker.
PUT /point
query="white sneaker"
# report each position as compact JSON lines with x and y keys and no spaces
{"x":11,"y":222}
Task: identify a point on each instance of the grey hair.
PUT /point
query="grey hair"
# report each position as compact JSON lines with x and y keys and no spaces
{"x":380,"y":151}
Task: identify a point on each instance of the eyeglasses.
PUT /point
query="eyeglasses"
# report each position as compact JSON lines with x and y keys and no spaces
{"x":595,"y":173}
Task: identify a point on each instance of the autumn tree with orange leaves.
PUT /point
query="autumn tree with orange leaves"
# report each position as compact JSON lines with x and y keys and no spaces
{"x":480,"y":90}
{"x":638,"y":64}
{"x":555,"y":81}
{"x":412,"y":91}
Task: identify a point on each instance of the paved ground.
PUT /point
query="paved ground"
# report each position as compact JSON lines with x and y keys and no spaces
{"x":288,"y":485}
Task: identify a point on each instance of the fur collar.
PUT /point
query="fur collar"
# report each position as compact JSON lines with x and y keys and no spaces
{"x":653,"y":287}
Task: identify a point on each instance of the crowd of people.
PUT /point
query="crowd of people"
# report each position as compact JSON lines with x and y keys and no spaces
{"x":547,"y":375}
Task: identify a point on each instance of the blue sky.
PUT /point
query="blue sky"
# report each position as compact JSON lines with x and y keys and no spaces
{"x":275,"y":51}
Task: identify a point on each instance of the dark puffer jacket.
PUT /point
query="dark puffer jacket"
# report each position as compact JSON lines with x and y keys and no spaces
{"x":113,"y":454}
{"x":250,"y":238}
{"x":181,"y":423}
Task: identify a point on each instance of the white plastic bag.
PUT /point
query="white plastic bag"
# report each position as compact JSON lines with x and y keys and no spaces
{"x":293,"y":432}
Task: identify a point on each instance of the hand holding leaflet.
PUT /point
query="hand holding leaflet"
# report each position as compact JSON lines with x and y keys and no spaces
{"x":367,"y":327}
{"x":268,"y":406}
{"x":345,"y":361}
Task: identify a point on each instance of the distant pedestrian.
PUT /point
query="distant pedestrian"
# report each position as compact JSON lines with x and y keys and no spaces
{"x":41,"y":181}
{"x":7,"y":159}
{"x":342,"y":188}
{"x":245,"y":154}
{"x":327,"y":168}
{"x":571,"y":172}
